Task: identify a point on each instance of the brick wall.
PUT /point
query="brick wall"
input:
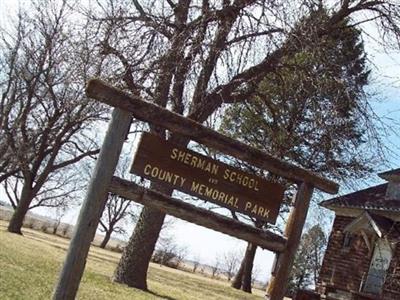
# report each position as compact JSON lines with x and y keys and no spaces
{"x":391,"y":288}
{"x":344,"y":268}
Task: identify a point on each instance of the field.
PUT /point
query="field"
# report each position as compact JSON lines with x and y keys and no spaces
{"x":29,"y":266}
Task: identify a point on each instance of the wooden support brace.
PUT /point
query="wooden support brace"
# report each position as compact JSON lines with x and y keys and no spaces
{"x":92,"y":207}
{"x":199,"y":216}
{"x":156,"y":115}
{"x":294,"y":227}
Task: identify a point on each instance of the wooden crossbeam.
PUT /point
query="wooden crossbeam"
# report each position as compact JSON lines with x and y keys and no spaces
{"x":156,"y":115}
{"x":199,"y":216}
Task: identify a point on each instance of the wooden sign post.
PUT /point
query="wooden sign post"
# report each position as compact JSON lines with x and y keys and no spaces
{"x":93,"y":206}
{"x":194,"y":174}
{"x":277,"y":285}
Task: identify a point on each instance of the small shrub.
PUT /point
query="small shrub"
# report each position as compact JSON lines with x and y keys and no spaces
{"x":118,"y":248}
{"x":43,"y":227}
{"x":65,"y":230}
{"x":29,"y":223}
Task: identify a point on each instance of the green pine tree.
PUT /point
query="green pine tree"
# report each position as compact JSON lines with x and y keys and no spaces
{"x":313,"y":110}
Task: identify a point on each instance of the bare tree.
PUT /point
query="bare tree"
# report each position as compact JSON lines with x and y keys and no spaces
{"x":215,"y":267}
{"x":45,"y":118}
{"x":194,"y":56}
{"x":230,"y":262}
{"x":117,"y":208}
{"x":61,"y":190}
{"x":60,"y":213}
{"x":168,"y":252}
{"x":196,"y":263}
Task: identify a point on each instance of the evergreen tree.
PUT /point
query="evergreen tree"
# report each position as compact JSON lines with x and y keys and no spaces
{"x":312,"y":111}
{"x":308,"y":260}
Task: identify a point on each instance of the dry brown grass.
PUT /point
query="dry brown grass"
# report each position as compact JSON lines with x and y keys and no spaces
{"x":29,"y":266}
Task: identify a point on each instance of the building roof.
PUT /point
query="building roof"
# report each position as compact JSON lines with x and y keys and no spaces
{"x":390,"y":175}
{"x":372,"y":198}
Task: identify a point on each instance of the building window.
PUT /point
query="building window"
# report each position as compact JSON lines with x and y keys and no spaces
{"x":348,"y":238}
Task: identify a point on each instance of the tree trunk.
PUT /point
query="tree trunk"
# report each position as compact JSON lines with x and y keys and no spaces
{"x":243,"y":277}
{"x":237,"y":281}
{"x":22,"y":208}
{"x":133,"y":265}
{"x":248,"y":267}
{"x":55,"y":227}
{"x":106,"y":239}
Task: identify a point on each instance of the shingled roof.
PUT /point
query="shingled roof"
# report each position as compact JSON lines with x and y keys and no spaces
{"x":391,"y":175}
{"x":372,"y":198}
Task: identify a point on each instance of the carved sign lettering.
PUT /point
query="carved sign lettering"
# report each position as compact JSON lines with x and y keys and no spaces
{"x":206,"y":178}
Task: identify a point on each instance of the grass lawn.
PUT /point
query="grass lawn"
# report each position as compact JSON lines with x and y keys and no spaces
{"x":29,"y":266}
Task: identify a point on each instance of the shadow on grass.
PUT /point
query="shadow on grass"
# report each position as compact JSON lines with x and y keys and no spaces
{"x":161,"y":296}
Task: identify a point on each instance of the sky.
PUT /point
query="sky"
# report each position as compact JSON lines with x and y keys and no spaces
{"x":206,"y":245}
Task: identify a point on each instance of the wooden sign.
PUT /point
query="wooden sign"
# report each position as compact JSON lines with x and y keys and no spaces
{"x":206,"y":178}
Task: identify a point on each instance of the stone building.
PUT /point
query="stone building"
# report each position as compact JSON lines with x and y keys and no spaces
{"x":362,"y":260}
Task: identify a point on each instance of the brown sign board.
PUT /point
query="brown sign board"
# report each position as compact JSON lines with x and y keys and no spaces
{"x":200,"y":176}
